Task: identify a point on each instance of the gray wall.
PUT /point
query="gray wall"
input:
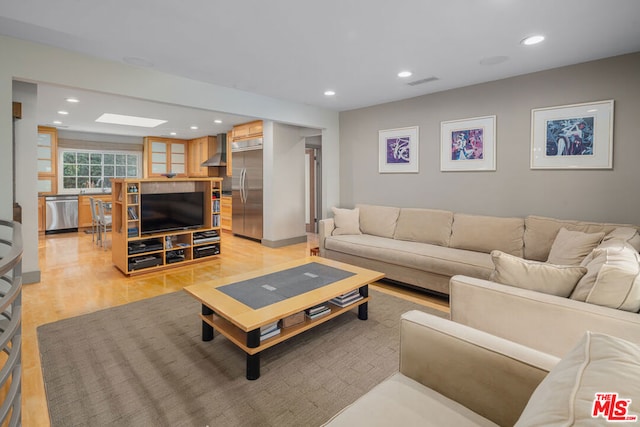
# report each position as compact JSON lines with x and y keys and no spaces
{"x":513,"y":189}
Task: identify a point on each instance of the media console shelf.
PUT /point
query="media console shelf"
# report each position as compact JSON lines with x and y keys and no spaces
{"x":136,"y":250}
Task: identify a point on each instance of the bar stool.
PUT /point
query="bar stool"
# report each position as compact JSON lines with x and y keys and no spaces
{"x":95,"y":229}
{"x":104,"y":221}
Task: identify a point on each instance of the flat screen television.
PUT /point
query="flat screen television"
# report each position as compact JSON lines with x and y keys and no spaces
{"x":162,"y":212}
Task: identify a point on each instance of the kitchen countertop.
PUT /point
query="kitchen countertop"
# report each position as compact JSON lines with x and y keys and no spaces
{"x":93,"y":193}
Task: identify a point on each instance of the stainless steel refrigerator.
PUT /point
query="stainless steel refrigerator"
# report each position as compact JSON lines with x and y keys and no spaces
{"x":246,"y":188}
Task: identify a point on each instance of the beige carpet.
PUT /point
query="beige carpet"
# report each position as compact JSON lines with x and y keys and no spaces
{"x":144,"y":364}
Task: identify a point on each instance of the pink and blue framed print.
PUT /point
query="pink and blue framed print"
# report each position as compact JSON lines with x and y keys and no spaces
{"x":578,"y":136}
{"x":398,"y":150}
{"x":468,"y":144}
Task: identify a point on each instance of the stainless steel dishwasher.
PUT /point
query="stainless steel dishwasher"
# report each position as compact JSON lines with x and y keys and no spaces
{"x":61,"y":214}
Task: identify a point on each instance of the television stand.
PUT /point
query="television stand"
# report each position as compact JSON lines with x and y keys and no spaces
{"x":136,"y":253}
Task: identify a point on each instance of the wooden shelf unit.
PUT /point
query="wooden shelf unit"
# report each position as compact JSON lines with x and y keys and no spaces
{"x":171,"y":248}
{"x":239,"y":337}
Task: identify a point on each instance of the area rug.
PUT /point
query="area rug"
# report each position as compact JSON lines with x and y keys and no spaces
{"x":144,"y":364}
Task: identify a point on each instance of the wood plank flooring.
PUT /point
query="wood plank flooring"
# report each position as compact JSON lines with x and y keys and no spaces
{"x":79,"y":278}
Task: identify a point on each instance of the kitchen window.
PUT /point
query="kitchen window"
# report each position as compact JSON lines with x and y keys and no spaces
{"x":83,"y":170}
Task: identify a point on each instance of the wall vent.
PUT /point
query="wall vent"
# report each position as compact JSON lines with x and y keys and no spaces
{"x":422,"y":81}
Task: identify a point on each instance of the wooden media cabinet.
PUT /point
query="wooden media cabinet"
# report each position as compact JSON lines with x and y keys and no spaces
{"x":134,"y":251}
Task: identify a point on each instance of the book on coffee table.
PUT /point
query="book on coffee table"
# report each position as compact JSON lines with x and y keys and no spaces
{"x":346,"y":299}
{"x":317,"y":311}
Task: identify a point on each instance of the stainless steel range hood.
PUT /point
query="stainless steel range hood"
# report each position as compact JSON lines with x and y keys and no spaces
{"x":220,"y":157}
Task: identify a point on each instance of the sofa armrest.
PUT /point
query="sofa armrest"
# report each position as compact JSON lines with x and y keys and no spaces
{"x":545,"y":322}
{"x":480,"y":371}
{"x":325,"y":228}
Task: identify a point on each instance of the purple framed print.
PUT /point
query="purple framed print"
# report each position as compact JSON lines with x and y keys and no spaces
{"x":398,"y":150}
{"x":468,"y":144}
{"x":578,"y":136}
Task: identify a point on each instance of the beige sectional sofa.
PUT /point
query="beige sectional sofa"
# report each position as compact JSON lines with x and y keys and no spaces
{"x":548,"y":323}
{"x":426,"y":247}
{"x":454,"y":375}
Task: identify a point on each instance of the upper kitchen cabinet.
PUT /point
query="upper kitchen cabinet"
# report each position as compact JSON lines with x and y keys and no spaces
{"x":164,"y":155}
{"x":47,"y":160}
{"x":247,"y":130}
{"x":199,"y":149}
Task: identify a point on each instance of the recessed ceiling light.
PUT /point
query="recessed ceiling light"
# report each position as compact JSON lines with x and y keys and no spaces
{"x":119,"y":119}
{"x":217,"y":121}
{"x":172,"y":133}
{"x":329,"y":92}
{"x":73,"y":100}
{"x":57,"y":122}
{"x":532,"y":40}
{"x":405,"y":74}
{"x":64,"y":113}
{"x":194,"y":127}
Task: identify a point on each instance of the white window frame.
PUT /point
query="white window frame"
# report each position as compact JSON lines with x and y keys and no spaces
{"x":61,"y":151}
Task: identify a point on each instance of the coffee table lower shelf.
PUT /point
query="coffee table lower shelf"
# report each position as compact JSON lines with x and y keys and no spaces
{"x":249,"y":341}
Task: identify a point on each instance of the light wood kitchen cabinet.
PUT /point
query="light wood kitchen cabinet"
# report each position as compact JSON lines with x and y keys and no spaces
{"x":165,"y":155}
{"x":47,"y":160}
{"x":84,"y":207}
{"x":198,"y":153}
{"x":42,"y":221}
{"x":247,"y":130}
{"x":225,"y":212}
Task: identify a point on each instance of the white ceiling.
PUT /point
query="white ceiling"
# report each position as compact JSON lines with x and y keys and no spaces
{"x":82,"y":115}
{"x":296,"y":50}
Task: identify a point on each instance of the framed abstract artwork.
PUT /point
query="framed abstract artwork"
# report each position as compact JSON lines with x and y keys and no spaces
{"x":468,"y":144}
{"x":398,"y":150}
{"x":578,"y":136}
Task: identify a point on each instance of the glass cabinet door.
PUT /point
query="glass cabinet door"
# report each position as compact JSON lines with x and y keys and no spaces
{"x":47,"y":159}
{"x":45,"y":153}
{"x":159,"y":157}
{"x":178,"y":158}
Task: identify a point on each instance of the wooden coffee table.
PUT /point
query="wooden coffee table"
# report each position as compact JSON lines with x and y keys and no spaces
{"x":241,"y":323}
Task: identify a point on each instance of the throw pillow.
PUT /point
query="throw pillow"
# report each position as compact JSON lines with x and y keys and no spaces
{"x":347,"y":221}
{"x":599,"y":365}
{"x":617,"y":283}
{"x":571,"y":247}
{"x":535,"y":275}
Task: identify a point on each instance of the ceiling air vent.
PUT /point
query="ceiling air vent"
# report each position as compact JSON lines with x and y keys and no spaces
{"x":422,"y":81}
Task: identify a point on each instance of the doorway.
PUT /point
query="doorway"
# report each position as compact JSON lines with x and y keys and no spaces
{"x":313,"y":189}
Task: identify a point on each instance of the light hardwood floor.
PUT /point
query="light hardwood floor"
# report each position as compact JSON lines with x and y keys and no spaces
{"x":79,"y":278}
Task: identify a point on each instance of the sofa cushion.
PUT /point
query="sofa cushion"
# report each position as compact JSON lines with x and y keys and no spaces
{"x":420,"y":256}
{"x":486,"y":233}
{"x":401,"y":401}
{"x":346,"y":221}
{"x":598,"y":364}
{"x":571,"y":247}
{"x":628,"y":234}
{"x":616,"y":283}
{"x":535,"y":275}
{"x":540,"y":232}
{"x":378,"y":220}
{"x":424,"y":225}
{"x":593,"y":265}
